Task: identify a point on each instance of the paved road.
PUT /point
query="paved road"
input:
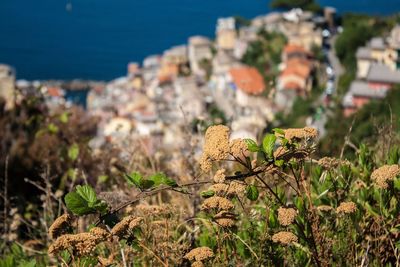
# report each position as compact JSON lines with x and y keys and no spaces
{"x":322,"y":119}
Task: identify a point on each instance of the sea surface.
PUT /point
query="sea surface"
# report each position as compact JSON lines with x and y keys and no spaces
{"x":96,"y":39}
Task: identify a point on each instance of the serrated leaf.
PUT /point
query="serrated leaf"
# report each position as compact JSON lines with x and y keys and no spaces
{"x":146,"y":184}
{"x":77,"y":204}
{"x":101,"y":206}
{"x":252,"y":192}
{"x":207,"y":194}
{"x":87,"y":193}
{"x":279,"y":131}
{"x":31,"y":263}
{"x":73,"y":152}
{"x":160,"y":178}
{"x":134,"y":179}
{"x":279,"y":162}
{"x":269,"y":144}
{"x":252,"y":145}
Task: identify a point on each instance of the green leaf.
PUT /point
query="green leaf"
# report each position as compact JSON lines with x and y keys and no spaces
{"x":146,"y":184}
{"x":371,"y":210}
{"x":252,"y":145}
{"x":77,"y":204}
{"x":396,"y":184}
{"x":207,"y":194}
{"x":31,"y":263}
{"x":52,"y":128}
{"x":101,"y":206}
{"x":279,"y":131}
{"x":269,"y":144}
{"x":134,"y":179}
{"x":72,"y":173}
{"x":64,"y":117}
{"x":87,"y":193}
{"x":279,"y":162}
{"x":102,"y":178}
{"x":73,"y":152}
{"x":252,"y":192}
{"x":160,"y":178}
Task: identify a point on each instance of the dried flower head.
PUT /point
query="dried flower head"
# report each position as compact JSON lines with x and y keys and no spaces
{"x":99,"y":233}
{"x":200,"y":254}
{"x":146,"y":209}
{"x":236,"y":188}
{"x":301,"y":133}
{"x":217,"y":202}
{"x":121,"y":228}
{"x":60,"y":226}
{"x":198,"y":264}
{"x":286,"y":216}
{"x":216,"y":146}
{"x":238,"y":148}
{"x":331,"y":163}
{"x":205,"y":163}
{"x":225,"y":219}
{"x":346,"y":207}
{"x":81,"y":244}
{"x":324,"y":208}
{"x":219,"y":176}
{"x":284,"y":238}
{"x":219,"y":189}
{"x":135,"y":223}
{"x":384,"y":174}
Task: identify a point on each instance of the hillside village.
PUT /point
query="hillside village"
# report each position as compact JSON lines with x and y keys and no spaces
{"x":205,"y":81}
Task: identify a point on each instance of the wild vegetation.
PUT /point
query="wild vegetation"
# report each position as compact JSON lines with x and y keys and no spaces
{"x":243,"y":202}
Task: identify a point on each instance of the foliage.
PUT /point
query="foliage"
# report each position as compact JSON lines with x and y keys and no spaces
{"x":292,"y":210}
{"x":366,"y":123}
{"x":265,"y":54}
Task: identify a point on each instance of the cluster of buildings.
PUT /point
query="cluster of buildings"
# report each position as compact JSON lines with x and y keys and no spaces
{"x":378,"y":70}
{"x":7,"y":85}
{"x":158,"y":99}
{"x":296,"y":77}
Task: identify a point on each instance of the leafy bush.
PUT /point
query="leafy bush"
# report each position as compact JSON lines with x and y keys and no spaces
{"x":269,"y":203}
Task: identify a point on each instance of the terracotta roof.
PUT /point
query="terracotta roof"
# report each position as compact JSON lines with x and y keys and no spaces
{"x":299,"y":67}
{"x":54,"y":92}
{"x":292,"y":86}
{"x":294,"y":48}
{"x":248,"y":79}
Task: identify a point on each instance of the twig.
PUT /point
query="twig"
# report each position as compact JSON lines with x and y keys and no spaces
{"x":152,"y":252}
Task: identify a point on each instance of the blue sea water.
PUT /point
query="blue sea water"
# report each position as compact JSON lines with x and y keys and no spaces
{"x":97,"y":38}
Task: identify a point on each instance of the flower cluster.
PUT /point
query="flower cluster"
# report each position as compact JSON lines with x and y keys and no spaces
{"x":331,"y":163}
{"x":198,"y":255}
{"x":217,"y":203}
{"x":384,"y":174}
{"x":216,"y":146}
{"x":286,"y":216}
{"x":127,"y":224}
{"x":225,"y":219}
{"x":60,"y":226}
{"x":232,"y":189}
{"x":82,"y":244}
{"x":238,"y":148}
{"x":285,"y":238}
{"x":346,"y":207}
{"x":219,"y":176}
{"x":301,"y":133}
